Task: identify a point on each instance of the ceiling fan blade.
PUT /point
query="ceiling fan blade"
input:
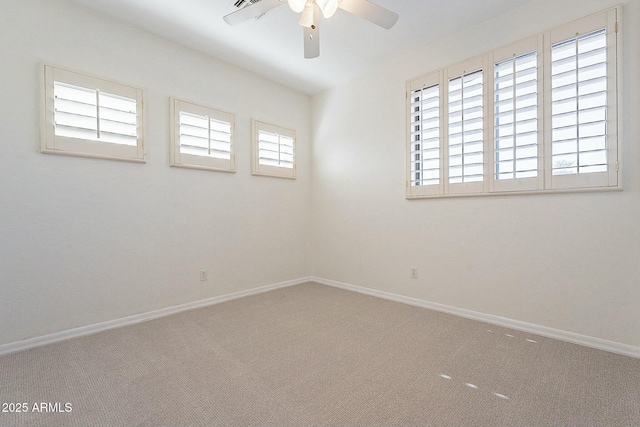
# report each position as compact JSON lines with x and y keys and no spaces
{"x":251,"y":11}
{"x":371,"y":12}
{"x":311,"y":42}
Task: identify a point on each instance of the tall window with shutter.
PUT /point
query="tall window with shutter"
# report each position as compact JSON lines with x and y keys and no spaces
{"x":466,"y":128}
{"x":273,"y":150}
{"x":517,"y":116}
{"x":425,"y":135}
{"x":203,"y":138}
{"x":579,"y":104}
{"x":89,"y":116}
{"x":466,"y":142}
{"x":583,"y":104}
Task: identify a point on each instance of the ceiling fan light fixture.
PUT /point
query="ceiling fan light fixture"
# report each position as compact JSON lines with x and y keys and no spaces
{"x":328,"y":7}
{"x":307,"y":18}
{"x":309,"y":11}
{"x":297,"y":5}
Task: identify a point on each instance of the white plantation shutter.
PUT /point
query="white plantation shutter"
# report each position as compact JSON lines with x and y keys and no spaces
{"x":117,"y":119}
{"x":273,"y":150}
{"x":194,"y":134}
{"x":517,"y":117}
{"x":579,"y":104}
{"x":88,"y":116}
{"x":76,"y":114}
{"x":583,"y":128}
{"x":465,"y":137}
{"x":203,"y":138}
{"x":543,"y":119}
{"x":425,"y":133}
{"x":95,"y":115}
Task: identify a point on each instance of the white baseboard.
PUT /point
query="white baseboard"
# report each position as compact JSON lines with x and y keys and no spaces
{"x":139,"y":318}
{"x":587,"y":341}
{"x":597,"y":343}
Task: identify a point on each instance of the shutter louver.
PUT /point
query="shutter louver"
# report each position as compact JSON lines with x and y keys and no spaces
{"x":91,"y":114}
{"x":516,"y":117}
{"x":466,"y":128}
{"x":425,"y":136}
{"x":579,"y":104}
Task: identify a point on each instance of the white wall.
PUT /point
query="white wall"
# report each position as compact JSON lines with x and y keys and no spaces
{"x":565,"y":261}
{"x":83,"y":240}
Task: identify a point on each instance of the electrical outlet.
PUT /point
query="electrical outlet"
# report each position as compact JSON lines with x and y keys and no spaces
{"x":204,"y":274}
{"x":414,"y":272}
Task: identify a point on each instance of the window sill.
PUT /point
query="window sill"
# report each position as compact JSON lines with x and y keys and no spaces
{"x":617,"y":188}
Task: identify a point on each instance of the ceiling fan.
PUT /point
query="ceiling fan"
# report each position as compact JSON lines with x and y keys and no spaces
{"x":310,"y":11}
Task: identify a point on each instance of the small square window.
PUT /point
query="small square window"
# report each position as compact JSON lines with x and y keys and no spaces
{"x":202,"y":138}
{"x":273,"y":150}
{"x":91,"y":117}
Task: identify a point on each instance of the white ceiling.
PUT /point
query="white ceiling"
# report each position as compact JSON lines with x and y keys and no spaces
{"x":272,"y":45}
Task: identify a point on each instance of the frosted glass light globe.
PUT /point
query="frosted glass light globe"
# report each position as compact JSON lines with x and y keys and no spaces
{"x":297,"y":5}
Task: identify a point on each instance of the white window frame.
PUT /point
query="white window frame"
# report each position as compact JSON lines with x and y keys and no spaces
{"x":51,"y":143}
{"x":193,"y":161}
{"x":267,"y":170}
{"x":545,"y":182}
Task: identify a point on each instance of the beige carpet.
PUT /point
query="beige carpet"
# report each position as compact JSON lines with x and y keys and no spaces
{"x":312,"y":355}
